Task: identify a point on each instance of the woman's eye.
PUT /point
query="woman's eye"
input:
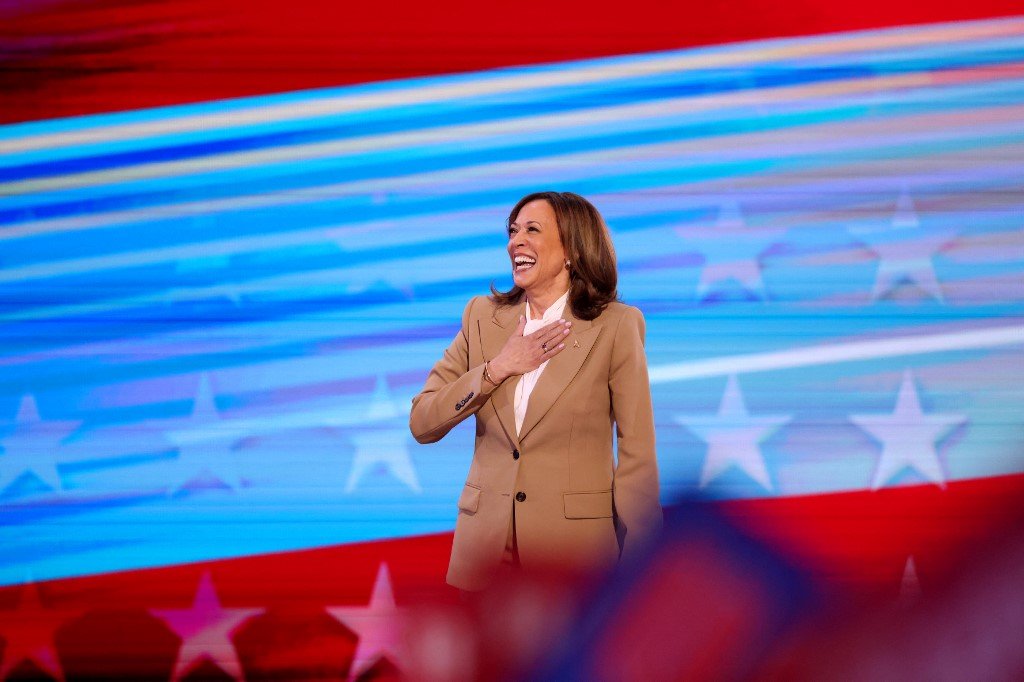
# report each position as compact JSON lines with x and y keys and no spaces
{"x":531,"y":228}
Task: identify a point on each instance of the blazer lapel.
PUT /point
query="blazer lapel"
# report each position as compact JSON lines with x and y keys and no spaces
{"x":494,"y":334}
{"x":560,"y":370}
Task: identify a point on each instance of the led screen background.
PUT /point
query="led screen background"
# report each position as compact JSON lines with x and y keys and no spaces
{"x":213,"y":315}
{"x":224,"y":308}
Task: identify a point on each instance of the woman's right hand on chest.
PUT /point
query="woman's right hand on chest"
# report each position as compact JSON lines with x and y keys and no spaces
{"x":525,"y":353}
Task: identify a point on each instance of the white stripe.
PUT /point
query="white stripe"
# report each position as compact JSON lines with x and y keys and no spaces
{"x":809,"y":356}
{"x":307,"y":285}
{"x":578,"y":122}
{"x":918,"y":122}
{"x":760,"y":53}
{"x":583,"y":166}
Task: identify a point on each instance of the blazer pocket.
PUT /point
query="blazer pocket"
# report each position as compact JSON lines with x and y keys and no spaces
{"x":592,"y":505}
{"x":469,"y":500}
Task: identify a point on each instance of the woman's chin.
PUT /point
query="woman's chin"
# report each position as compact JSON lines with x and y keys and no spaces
{"x":521,"y":280}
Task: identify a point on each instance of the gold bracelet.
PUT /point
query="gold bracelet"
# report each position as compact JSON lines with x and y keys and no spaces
{"x":487,"y":375}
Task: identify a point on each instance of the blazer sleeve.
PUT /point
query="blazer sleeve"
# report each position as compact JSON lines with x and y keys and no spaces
{"x":635,"y":485}
{"x":453,"y":390}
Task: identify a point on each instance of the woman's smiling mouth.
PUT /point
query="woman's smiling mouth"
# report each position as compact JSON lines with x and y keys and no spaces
{"x":523,"y":263}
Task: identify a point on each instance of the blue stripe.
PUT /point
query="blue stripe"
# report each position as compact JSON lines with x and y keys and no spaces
{"x":405,"y":162}
{"x":649,"y":89}
{"x":16,"y":338}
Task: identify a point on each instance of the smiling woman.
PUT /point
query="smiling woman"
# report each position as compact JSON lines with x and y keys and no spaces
{"x":566,"y":234}
{"x":554,"y":371}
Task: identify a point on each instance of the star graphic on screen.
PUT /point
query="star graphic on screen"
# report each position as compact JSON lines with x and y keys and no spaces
{"x":372,"y":281}
{"x":910,"y":586}
{"x":908,"y":436}
{"x":733,"y":436}
{"x":387,"y":280}
{"x":905,"y":215}
{"x":218,"y":264}
{"x":378,"y":626}
{"x":28,"y":631}
{"x":229,"y":290}
{"x":32,"y":447}
{"x":205,"y":630}
{"x":204,"y":444}
{"x":905,"y":251}
{"x":385,"y":446}
{"x":731,"y":251}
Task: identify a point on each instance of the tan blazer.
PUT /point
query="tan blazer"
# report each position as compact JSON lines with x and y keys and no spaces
{"x":574,"y":507}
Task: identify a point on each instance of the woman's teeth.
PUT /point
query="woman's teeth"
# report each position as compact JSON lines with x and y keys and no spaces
{"x":523,"y":263}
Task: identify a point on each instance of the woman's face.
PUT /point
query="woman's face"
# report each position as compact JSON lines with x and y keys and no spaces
{"x":535,"y":248}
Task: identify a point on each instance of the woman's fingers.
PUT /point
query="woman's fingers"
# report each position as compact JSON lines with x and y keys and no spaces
{"x":529,"y":351}
{"x":556,"y":334}
{"x":550,"y":332}
{"x":554,"y":337}
{"x":551,"y":344}
{"x":546,"y":329}
{"x":553,"y":350}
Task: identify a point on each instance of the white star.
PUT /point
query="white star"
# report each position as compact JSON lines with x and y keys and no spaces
{"x":372,"y":280}
{"x":216,"y":262}
{"x":905,"y":251}
{"x":910,"y":586}
{"x":32,"y":447}
{"x":731,"y":251}
{"x":204,"y":444}
{"x":378,"y":626}
{"x":386,"y":447}
{"x":368,"y":278}
{"x":746,"y":272}
{"x":905,"y":215}
{"x":229,"y":290}
{"x":205,"y":630}
{"x":908,"y":436}
{"x":733,"y":436}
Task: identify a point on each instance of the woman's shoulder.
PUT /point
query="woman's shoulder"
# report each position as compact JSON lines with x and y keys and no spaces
{"x":625,"y":322}
{"x":617,"y":311}
{"x":479,"y":307}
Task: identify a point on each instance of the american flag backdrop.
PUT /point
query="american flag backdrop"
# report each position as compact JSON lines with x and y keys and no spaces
{"x":234,"y":239}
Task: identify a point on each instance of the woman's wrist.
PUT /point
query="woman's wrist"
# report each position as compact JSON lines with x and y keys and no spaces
{"x":487,"y":375}
{"x":493,"y":374}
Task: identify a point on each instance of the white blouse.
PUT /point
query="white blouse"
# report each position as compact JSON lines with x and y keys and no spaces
{"x":528,"y":381}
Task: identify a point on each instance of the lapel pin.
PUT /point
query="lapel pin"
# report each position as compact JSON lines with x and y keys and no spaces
{"x":575,"y":343}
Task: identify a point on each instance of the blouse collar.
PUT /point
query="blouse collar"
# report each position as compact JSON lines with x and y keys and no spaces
{"x":554,"y":311}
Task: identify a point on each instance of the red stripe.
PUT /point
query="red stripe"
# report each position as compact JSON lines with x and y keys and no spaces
{"x":855,"y":544}
{"x":71,"y":57}
{"x":859,"y":540}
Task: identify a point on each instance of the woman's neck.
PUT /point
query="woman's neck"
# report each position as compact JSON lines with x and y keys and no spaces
{"x":540,"y":301}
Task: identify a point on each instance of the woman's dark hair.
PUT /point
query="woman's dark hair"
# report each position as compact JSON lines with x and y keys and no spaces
{"x":588,"y":246}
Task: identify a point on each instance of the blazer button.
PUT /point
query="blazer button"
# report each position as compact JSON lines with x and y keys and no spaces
{"x":520,"y":496}
{"x":515,"y":454}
